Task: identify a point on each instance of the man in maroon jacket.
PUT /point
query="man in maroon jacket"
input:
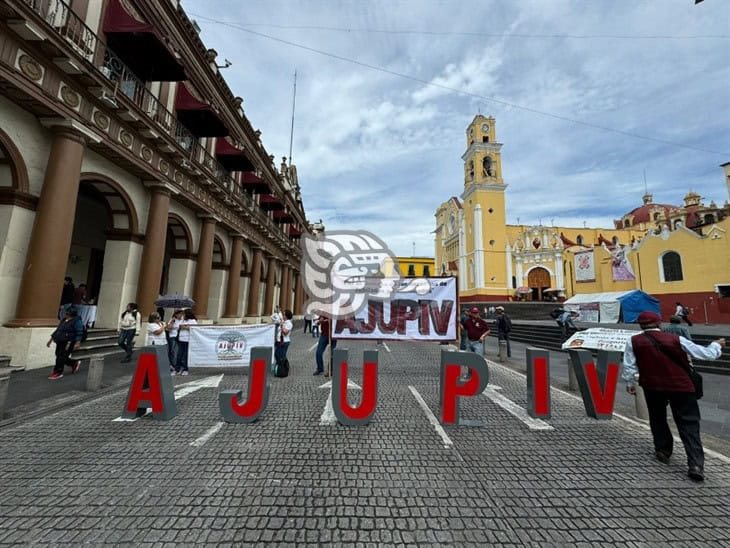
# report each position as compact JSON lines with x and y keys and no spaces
{"x":663,"y":372}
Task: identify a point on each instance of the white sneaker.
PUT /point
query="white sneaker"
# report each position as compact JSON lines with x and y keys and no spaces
{"x":184,"y":373}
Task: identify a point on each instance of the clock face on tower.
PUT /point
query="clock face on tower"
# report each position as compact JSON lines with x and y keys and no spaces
{"x":485,"y":127}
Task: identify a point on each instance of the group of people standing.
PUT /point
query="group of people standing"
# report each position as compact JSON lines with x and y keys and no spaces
{"x":475,"y":330}
{"x":174,"y":333}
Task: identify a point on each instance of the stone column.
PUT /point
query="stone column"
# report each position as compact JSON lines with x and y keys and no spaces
{"x":234,"y":277}
{"x":50,"y":241}
{"x":153,"y":254}
{"x":297,"y":294}
{"x":201,"y":287}
{"x":284,"y":295}
{"x":270,"y":282}
{"x":255,"y":286}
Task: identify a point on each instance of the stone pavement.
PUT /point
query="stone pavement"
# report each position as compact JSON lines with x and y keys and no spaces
{"x":714,"y":406}
{"x":78,"y":477}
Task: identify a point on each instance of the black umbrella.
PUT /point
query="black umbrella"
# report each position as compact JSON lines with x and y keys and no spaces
{"x":175,"y":301}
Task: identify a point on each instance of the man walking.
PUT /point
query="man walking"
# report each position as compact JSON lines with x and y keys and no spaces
{"x":664,"y":374}
{"x":67,"y":337}
{"x":683,"y":312}
{"x":565,"y":321}
{"x":476,"y":331}
{"x":504,"y":326}
{"x":324,"y":340}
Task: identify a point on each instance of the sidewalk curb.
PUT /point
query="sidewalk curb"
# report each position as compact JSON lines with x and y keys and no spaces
{"x":65,"y":404}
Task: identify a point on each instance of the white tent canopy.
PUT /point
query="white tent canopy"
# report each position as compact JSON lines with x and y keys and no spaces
{"x":606,"y":307}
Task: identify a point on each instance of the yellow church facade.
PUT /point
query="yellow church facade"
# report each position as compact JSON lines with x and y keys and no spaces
{"x":675,"y":253}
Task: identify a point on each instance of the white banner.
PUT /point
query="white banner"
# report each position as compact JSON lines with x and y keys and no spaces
{"x":423,"y":309}
{"x":227,"y":345}
{"x":585,"y":267}
{"x":600,"y":338}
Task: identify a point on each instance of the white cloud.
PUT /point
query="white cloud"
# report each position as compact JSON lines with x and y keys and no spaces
{"x":377,"y":151}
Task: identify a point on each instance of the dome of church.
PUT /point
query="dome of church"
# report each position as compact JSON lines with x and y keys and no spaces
{"x":646,"y":212}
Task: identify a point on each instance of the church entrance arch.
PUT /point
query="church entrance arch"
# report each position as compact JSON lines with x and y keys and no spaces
{"x":538,"y":280}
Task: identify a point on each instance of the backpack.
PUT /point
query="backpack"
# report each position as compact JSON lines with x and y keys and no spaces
{"x":282,"y":368}
{"x":685,"y":311}
{"x":555,"y":314}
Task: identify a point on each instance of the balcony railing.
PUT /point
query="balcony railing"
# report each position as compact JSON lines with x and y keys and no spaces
{"x":59,"y":16}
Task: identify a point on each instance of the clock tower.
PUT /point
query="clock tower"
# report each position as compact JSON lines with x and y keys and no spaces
{"x":484,"y":263}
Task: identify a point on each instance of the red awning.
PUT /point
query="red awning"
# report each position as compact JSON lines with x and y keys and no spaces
{"x":283,"y":216}
{"x":294,"y":232}
{"x":139,"y":45}
{"x":253,"y":183}
{"x":199,"y":117}
{"x":232,"y":158}
{"x":119,"y":19}
{"x":270,"y":203}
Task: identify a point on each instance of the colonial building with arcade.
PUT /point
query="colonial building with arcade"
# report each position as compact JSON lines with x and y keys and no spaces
{"x":673,"y":252}
{"x":127,"y":163}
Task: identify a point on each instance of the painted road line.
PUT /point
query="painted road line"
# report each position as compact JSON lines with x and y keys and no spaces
{"x":386,"y":347}
{"x":212,"y":431}
{"x":328,"y":417}
{"x":313,"y":347}
{"x":516,"y":410}
{"x":182,"y":391}
{"x":432,"y":419}
{"x":715,"y":454}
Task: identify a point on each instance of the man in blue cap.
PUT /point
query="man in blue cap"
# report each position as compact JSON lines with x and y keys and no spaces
{"x":659,"y":361}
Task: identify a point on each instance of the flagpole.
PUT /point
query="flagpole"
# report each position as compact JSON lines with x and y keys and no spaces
{"x":293,"y":107}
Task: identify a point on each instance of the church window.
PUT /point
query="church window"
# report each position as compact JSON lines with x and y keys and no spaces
{"x":426,"y":271}
{"x":472,"y":273}
{"x":656,"y":215}
{"x":627,"y":223}
{"x":678,"y":224}
{"x":411,"y":270}
{"x":514,"y":282}
{"x":614,"y":240}
{"x":485,"y":139}
{"x":671,"y":267}
{"x":709,"y":219}
{"x":579,"y":239}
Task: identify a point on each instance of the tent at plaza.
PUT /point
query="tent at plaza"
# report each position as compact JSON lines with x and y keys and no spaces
{"x":612,"y":306}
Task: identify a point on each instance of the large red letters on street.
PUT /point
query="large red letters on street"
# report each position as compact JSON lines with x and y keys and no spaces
{"x":152,"y":388}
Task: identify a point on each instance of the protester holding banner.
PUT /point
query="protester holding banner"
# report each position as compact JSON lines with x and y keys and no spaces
{"x":283,"y":338}
{"x":476,"y":331}
{"x":181,"y":363}
{"x":666,"y":376}
{"x":156,"y":330}
{"x":324,"y":340}
{"x":173,"y":329}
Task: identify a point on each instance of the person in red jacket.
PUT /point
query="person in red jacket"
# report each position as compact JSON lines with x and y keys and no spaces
{"x":663,"y":372}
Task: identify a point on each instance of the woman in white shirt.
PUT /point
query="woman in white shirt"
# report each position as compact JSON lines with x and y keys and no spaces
{"x":172,"y":328}
{"x":129,"y":324}
{"x":181,"y":364}
{"x":283,"y":338}
{"x":156,"y":330}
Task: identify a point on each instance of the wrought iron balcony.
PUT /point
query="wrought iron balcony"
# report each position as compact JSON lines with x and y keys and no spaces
{"x":126,"y":86}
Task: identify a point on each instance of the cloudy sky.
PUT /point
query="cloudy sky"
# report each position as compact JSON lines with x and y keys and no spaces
{"x":588,"y":95}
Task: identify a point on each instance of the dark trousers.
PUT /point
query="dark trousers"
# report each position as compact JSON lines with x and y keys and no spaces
{"x":686,"y":415}
{"x":321,"y":347}
{"x":280,"y":351}
{"x":505,"y":337}
{"x":63,"y":356}
{"x":172,"y":350}
{"x":307,"y":325}
{"x":181,"y":360}
{"x":126,"y":341}
{"x":687,"y":320}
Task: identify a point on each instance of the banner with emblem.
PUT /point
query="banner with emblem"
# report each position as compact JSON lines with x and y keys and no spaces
{"x":227,"y":345}
{"x":422,"y":309}
{"x":585,"y":266}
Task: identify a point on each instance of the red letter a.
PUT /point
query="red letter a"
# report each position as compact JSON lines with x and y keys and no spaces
{"x":150,"y":389}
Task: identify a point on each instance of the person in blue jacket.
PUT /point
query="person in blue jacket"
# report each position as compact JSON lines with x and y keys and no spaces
{"x":67,"y":337}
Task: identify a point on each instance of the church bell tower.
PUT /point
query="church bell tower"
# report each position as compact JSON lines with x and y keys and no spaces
{"x":484,"y":264}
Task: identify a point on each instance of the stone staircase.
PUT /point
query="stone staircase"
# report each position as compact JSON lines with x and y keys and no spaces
{"x":528,"y":310}
{"x":100,"y":342}
{"x":550,"y":337}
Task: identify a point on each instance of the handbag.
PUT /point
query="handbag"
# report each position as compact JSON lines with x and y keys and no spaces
{"x":694,"y":376}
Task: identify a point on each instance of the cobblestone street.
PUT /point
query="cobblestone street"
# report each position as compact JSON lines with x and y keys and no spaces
{"x":78,"y":476}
